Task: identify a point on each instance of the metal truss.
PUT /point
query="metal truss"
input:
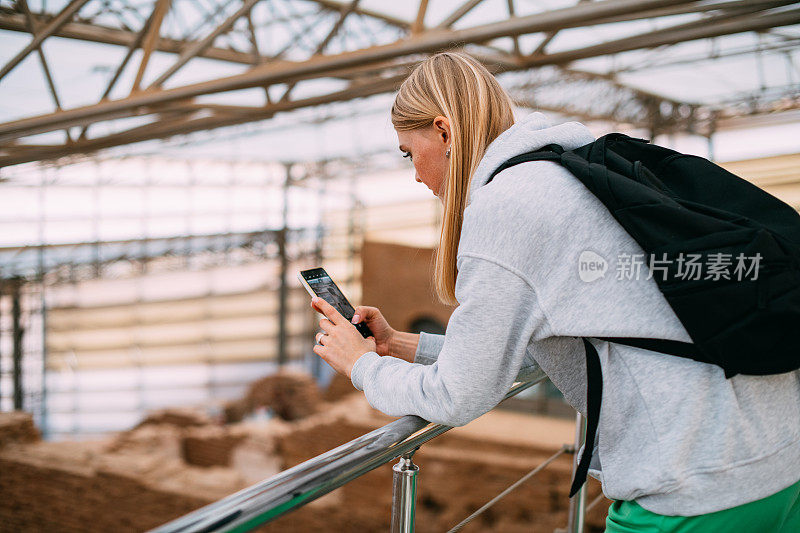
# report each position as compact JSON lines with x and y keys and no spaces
{"x":360,"y":52}
{"x":28,"y":262}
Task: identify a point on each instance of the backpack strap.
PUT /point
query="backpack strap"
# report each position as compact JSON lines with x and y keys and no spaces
{"x":597,"y":155}
{"x":594,"y":398}
{"x":551,"y":152}
{"x":594,"y":390}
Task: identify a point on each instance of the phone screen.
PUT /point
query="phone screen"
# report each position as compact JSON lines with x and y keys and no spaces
{"x":320,"y":283}
{"x":324,"y":287}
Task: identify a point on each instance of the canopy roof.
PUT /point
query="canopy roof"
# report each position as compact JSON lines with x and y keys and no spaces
{"x":116,"y":72}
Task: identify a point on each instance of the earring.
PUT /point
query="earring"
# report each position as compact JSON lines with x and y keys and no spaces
{"x":447,"y":153}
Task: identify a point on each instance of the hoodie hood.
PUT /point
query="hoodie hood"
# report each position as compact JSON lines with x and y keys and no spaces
{"x":530,"y":133}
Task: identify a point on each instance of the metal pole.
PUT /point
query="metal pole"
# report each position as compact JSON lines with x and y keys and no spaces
{"x":319,"y":251}
{"x":43,"y":421}
{"x":283,"y":289}
{"x":712,"y":128}
{"x":404,"y":494}
{"x":577,"y":504}
{"x":18,"y":331}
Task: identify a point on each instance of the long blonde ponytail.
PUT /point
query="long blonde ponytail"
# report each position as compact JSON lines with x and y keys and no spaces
{"x":455,"y":86}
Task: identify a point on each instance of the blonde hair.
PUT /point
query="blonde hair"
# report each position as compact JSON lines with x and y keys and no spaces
{"x":455,"y":86}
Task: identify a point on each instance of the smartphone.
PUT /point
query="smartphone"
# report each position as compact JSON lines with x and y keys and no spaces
{"x":318,"y":283}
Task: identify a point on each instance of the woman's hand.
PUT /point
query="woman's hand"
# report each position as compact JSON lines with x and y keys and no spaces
{"x":381,"y":330}
{"x":341,"y":344}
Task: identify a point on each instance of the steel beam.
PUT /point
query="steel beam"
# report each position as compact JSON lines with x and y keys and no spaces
{"x":676,"y":34}
{"x":159,"y":12}
{"x":339,"y":6}
{"x":59,"y":20}
{"x":547,"y":40}
{"x":337,"y":26}
{"x":32,"y":27}
{"x":693,"y":8}
{"x":782,"y":47}
{"x":251,"y":31}
{"x":419,"y":22}
{"x":511,"y":13}
{"x":83,"y":31}
{"x":320,"y":66}
{"x":322,"y":45}
{"x":204,"y":43}
{"x":459,"y":13}
{"x":297,"y":36}
{"x":160,"y":130}
{"x":131,"y":49}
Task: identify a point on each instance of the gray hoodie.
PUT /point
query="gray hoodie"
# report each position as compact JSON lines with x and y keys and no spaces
{"x":674,"y":434}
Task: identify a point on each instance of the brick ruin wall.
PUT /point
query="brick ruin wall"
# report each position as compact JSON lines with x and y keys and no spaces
{"x":175,"y":462}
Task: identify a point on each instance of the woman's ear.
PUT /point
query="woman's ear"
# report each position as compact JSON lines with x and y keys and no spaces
{"x":442,"y":127}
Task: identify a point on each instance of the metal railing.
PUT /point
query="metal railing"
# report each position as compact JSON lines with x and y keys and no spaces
{"x":301,"y":484}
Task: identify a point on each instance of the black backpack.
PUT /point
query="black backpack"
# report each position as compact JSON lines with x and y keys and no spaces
{"x":675,"y":206}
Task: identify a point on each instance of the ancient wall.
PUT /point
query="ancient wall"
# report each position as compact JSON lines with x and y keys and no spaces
{"x":175,"y":462}
{"x":397,"y":279}
{"x":137,"y":482}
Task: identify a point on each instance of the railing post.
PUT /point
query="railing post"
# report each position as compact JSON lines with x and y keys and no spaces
{"x":404,"y":494}
{"x":577,"y":504}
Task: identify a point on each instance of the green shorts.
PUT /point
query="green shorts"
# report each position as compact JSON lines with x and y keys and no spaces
{"x":779,"y":513}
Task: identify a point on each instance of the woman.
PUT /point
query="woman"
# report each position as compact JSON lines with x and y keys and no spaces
{"x":679,"y":447}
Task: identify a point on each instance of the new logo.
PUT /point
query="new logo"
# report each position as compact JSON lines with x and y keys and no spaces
{"x":591,"y":266}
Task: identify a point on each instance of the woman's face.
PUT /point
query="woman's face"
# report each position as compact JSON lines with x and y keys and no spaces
{"x":426,"y":147}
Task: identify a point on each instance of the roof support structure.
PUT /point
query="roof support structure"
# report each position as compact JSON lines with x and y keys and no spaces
{"x":325,"y":42}
{"x":59,"y":20}
{"x":419,"y":22}
{"x":320,"y":66}
{"x":159,"y":11}
{"x":221,"y":116}
{"x":339,"y":6}
{"x":677,"y":34}
{"x":96,"y":33}
{"x":199,"y":46}
{"x":459,"y":13}
{"x":32,"y":27}
{"x":511,"y":13}
{"x":369,"y":70}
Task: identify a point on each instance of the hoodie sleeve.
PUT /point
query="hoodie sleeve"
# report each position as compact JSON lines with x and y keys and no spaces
{"x":481,"y":355}
{"x":428,"y":348}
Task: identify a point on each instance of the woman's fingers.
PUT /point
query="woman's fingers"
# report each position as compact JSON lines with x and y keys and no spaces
{"x":339,"y":343}
{"x":328,"y":310}
{"x":321,"y":351}
{"x":365,"y":314}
